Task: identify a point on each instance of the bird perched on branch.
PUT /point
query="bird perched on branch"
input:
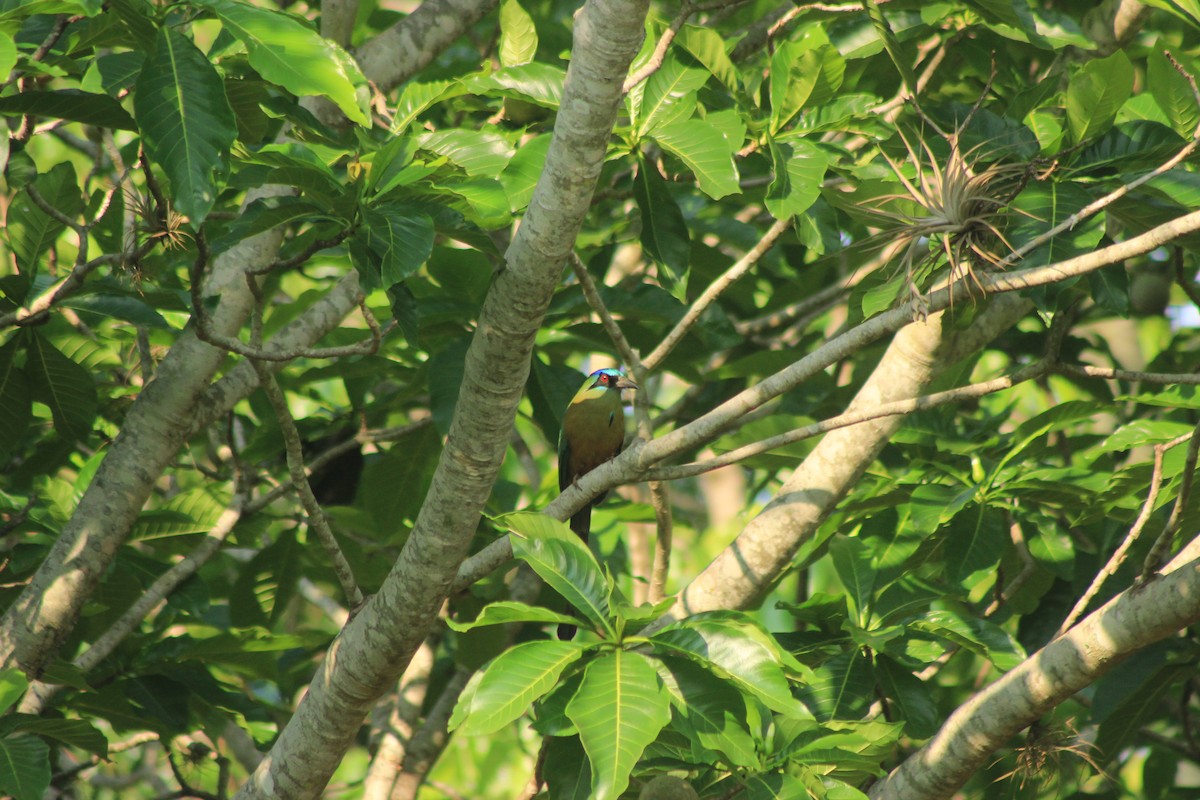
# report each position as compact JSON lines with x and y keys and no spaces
{"x":593,"y":431}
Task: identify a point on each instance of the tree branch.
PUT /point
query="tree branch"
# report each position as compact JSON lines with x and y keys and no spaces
{"x":378,"y":643}
{"x":1134,"y":619}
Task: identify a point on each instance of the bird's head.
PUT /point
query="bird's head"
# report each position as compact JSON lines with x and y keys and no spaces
{"x":610,"y":379}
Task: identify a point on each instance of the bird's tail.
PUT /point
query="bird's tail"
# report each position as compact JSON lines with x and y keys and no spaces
{"x":581,"y":523}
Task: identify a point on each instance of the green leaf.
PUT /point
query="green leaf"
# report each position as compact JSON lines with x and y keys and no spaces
{"x":669,"y":92}
{"x":266,"y":583}
{"x":975,"y":540}
{"x":665,"y":234}
{"x":72,"y":105}
{"x":479,"y":153}
{"x":186,"y":122}
{"x":418,"y":97}
{"x":1096,"y":92}
{"x":24,"y":767}
{"x":914,"y":700}
{"x":16,"y":411}
{"x":398,"y":238}
{"x":715,"y":712}
{"x":731,"y":653}
{"x":799,"y":169}
{"x":852,"y":560}
{"x":1143,"y":432}
{"x":63,"y":385}
{"x":511,"y":683}
{"x":1172,"y":93}
{"x":705,"y":151}
{"x":537,"y":83}
{"x":564,"y":563}
{"x":518,"y":35}
{"x":505,"y":611}
{"x":521,"y":175}
{"x":8,"y":53}
{"x":113,"y":304}
{"x":32,"y":231}
{"x":619,"y":709}
{"x":288,"y":53}
{"x":977,"y":635}
{"x":709,"y":49}
{"x":74,"y":732}
{"x":13,"y":684}
{"x":1186,"y":10}
{"x":799,"y":74}
{"x":1042,"y":206}
{"x":1131,"y":696}
{"x":189,"y":512}
{"x":842,"y":688}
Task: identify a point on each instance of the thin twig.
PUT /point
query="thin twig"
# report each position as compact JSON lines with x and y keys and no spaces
{"x":1118,"y":557}
{"x":895,"y":408}
{"x":655,"y":62}
{"x":206,"y":334}
{"x":317,"y":521}
{"x":1185,"y":281}
{"x":1162,"y":545}
{"x":714,"y":290}
{"x":592,"y":295}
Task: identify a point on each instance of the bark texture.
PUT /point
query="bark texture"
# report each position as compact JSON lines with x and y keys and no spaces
{"x":377,"y":645}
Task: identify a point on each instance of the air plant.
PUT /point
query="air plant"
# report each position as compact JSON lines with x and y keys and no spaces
{"x":961,"y":212}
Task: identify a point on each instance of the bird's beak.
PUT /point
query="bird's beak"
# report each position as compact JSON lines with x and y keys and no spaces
{"x":625,"y":383}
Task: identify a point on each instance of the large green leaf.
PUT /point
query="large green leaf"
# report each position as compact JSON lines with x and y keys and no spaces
{"x":72,"y":105}
{"x":417,"y":97}
{"x":1096,"y":92}
{"x":537,"y":83}
{"x":1172,"y":92}
{"x":13,"y":684}
{"x":709,"y":49}
{"x":30,"y":230}
{"x":63,"y":385}
{"x":799,"y":170}
{"x":15,"y":401}
{"x":506,"y":611}
{"x":511,"y":683}
{"x":912,"y":697}
{"x":186,"y":122}
{"x":715,"y":714}
{"x":1042,"y":206}
{"x":800,"y":74}
{"x":975,"y":540}
{"x":853,"y":561}
{"x":619,"y":709}
{"x":394,"y":239}
{"x":518,"y":35}
{"x":668,"y":93}
{"x":521,"y":175}
{"x":558,"y":556}
{"x":479,"y":153}
{"x":24,"y":767}
{"x":977,"y":635}
{"x":665,"y":234}
{"x":705,"y":151}
{"x":74,"y":732}
{"x":842,"y":688}
{"x":732,"y":653}
{"x":287,"y":52}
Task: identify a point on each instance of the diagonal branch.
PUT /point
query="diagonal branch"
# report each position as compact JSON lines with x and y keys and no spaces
{"x":377,"y":644}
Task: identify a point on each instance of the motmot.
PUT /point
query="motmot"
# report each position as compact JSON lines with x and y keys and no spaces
{"x":593,"y":431}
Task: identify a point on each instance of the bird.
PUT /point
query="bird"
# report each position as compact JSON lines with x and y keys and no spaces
{"x":593,"y":431}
